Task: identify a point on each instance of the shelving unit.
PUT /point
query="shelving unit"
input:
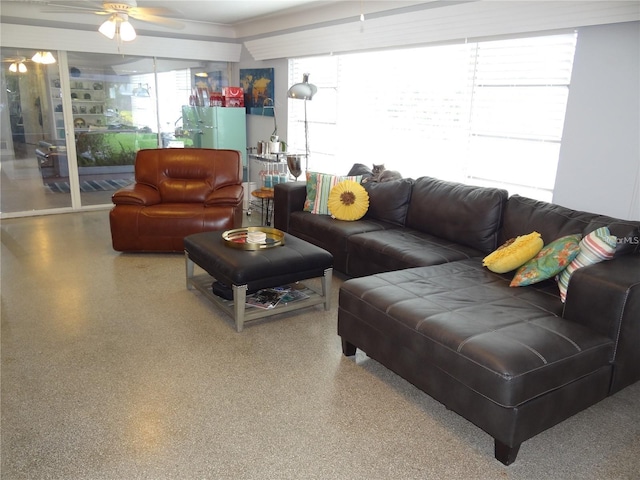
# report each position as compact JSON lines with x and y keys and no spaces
{"x":262,"y":169}
{"x":88,"y":100}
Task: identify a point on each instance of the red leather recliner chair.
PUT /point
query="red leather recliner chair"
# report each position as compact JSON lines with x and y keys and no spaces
{"x":177,"y":192}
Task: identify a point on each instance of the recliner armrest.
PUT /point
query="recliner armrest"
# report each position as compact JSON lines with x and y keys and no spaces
{"x":606,"y":298}
{"x":229,"y":195}
{"x":287,"y":198}
{"x":136,"y":194}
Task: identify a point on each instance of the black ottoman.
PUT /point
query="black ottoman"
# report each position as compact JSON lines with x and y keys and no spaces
{"x":250,"y":270}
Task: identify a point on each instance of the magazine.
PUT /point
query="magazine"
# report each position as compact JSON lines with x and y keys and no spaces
{"x":270,"y":297}
{"x":293,"y":295}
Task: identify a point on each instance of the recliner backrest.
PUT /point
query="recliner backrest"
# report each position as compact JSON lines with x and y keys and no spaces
{"x":188,"y":175}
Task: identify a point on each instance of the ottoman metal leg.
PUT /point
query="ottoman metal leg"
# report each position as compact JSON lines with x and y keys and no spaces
{"x":326,"y":287}
{"x":239,"y":299}
{"x":189,"y":269}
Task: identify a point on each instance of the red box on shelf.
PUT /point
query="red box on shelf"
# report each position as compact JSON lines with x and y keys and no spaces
{"x":233,"y":96}
{"x":234,"y":102}
{"x":216,"y":100}
{"x":232,"y":92}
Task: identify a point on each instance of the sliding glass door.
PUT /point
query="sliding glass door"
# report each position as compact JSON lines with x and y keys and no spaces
{"x":71,"y":129}
{"x":30,"y":150}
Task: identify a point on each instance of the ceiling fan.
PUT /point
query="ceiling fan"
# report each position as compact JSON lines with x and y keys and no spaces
{"x":118,"y":25}
{"x":16,"y":64}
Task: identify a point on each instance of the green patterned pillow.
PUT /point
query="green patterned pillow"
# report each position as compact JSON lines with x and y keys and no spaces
{"x":319,"y":186}
{"x":549,"y":262}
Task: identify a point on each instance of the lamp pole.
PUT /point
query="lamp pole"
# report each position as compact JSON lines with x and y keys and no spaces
{"x":306,"y":138}
{"x":304,"y":91}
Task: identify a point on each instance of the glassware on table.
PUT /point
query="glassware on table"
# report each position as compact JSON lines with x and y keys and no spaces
{"x":294,"y":162}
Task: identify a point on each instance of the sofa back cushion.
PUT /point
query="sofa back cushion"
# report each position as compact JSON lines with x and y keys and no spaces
{"x":464,"y":214}
{"x":389,"y":201}
{"x":188,"y":175}
{"x":524,"y":215}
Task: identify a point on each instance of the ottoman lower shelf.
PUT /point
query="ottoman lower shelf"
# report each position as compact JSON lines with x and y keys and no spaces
{"x":245,"y":314}
{"x":295,"y":260}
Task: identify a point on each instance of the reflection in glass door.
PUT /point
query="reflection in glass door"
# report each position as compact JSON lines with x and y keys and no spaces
{"x":31,"y":152}
{"x":113,"y":117}
{"x":71,"y":130}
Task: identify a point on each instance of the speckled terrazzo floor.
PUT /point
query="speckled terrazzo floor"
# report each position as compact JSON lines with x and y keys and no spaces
{"x":112,"y":369}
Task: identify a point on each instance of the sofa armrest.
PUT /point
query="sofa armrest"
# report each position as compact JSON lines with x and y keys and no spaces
{"x":136,"y":194}
{"x":606,"y":298}
{"x":287,"y":198}
{"x":229,"y":195}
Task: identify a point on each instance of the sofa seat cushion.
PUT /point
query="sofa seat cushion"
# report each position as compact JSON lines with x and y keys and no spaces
{"x":507,"y":344}
{"x":323,"y":229}
{"x":406,"y":248}
{"x":331,"y":234}
{"x":163,"y":227}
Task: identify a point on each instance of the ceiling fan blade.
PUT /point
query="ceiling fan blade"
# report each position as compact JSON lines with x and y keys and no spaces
{"x":161,"y":11}
{"x":72,"y":10}
{"x":167,"y":22}
{"x":88,"y":7}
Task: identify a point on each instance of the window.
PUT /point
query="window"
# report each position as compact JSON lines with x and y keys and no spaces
{"x":485,"y":113}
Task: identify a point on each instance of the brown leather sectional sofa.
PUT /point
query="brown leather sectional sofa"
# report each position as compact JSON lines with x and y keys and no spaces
{"x":514,"y":361}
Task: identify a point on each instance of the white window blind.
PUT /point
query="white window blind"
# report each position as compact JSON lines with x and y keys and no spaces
{"x":488,"y":113}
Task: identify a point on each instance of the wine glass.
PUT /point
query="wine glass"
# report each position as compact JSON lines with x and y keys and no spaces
{"x":294,"y":162}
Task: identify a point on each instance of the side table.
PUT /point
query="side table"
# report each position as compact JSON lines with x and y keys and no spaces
{"x":265,"y":194}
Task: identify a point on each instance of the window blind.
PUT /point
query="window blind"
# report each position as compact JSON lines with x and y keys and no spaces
{"x":488,"y":113}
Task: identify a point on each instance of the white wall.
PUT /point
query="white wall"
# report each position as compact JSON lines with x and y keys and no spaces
{"x":258,"y":126}
{"x":599,"y":168}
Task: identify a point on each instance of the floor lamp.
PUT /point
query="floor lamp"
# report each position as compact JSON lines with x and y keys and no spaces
{"x":304,"y":91}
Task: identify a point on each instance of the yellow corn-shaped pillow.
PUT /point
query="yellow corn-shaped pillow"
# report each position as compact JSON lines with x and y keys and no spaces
{"x":514,"y":253}
{"x":348,"y":200}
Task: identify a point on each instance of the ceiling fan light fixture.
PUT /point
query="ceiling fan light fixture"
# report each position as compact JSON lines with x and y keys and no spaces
{"x":108,"y":28}
{"x":118,"y":26}
{"x":127,"y":32}
{"x":13,"y":68}
{"x":46,"y":58}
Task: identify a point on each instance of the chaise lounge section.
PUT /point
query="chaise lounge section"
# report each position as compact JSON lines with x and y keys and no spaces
{"x":512,"y":360}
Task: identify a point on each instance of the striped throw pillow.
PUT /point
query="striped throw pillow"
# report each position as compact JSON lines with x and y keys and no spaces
{"x":595,"y":247}
{"x":319,"y":186}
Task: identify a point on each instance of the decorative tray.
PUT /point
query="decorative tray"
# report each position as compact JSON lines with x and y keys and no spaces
{"x":238,"y":238}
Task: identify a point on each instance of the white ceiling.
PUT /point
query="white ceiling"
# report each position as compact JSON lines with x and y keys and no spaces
{"x":228,"y":12}
{"x":202,"y":19}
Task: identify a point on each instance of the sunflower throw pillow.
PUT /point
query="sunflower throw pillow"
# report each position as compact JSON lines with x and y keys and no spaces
{"x":348,"y":200}
{"x":319,"y":186}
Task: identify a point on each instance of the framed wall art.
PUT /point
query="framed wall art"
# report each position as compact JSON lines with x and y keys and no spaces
{"x":258,"y":90}
{"x":212,"y":81}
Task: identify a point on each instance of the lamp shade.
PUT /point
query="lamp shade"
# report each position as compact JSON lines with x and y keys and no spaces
{"x":108,"y":28}
{"x":127,"y":32}
{"x":119,"y":26}
{"x":304,"y":90}
{"x":45,"y":58}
